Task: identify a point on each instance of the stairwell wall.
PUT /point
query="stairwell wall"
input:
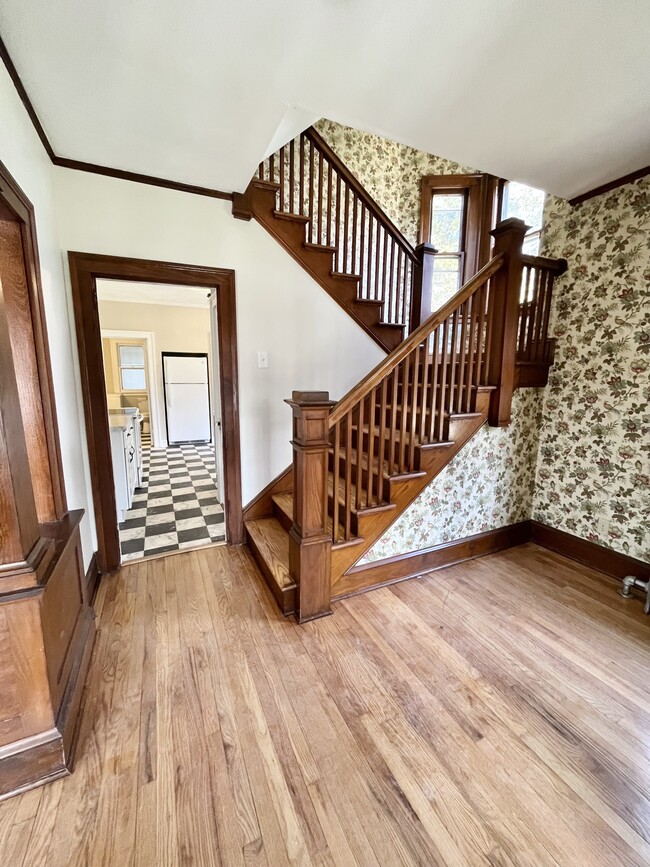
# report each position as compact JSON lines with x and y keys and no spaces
{"x":489,"y":484}
{"x":593,"y":473}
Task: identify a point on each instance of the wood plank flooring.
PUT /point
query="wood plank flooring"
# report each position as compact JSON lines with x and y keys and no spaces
{"x":493,"y":713}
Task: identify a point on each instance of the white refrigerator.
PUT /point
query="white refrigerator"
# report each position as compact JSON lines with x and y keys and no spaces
{"x":187,"y":400}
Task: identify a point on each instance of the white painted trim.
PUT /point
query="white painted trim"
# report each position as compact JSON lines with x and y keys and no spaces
{"x":158,"y":436}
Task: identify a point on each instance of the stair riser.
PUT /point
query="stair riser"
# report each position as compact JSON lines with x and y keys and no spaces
{"x":286,"y":599}
{"x":283,"y":518}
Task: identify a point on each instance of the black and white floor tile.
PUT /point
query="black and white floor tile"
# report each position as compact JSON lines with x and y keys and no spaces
{"x":177,"y":505}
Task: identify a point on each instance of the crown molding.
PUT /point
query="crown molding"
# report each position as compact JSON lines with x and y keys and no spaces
{"x":611,"y":185}
{"x":93,"y":168}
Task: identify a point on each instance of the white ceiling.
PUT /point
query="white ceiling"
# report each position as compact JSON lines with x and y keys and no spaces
{"x":554,"y":93}
{"x":152,"y":293}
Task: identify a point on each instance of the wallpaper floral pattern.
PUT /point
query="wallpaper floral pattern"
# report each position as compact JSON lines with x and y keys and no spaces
{"x":577,"y":455}
{"x":490,"y":482}
{"x":593,"y":474}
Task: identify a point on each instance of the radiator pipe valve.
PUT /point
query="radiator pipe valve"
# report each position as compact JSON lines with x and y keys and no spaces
{"x":631,"y":582}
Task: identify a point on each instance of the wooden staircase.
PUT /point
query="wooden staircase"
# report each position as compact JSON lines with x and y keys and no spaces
{"x":359,"y":463}
{"x":312,"y":204}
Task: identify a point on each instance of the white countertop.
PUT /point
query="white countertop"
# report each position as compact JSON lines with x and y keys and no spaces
{"x":119,"y":421}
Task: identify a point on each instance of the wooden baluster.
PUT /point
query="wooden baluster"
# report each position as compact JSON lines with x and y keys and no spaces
{"x":424,"y":396}
{"x":393,"y":422}
{"x":414,"y":402}
{"x":435,"y":378}
{"x":452,"y":362}
{"x":329,"y":204}
{"x":348,"y":475}
{"x":272,"y":168}
{"x":282,"y":196}
{"x":370,"y":259}
{"x":460,"y":387}
{"x":302,"y":175}
{"x":260,"y":171}
{"x":319,"y":203}
{"x":481,"y":336}
{"x":311,"y":192}
{"x":404,"y":413}
{"x":533,"y":309}
{"x":421,"y":296}
{"x":353,"y":263}
{"x":362,"y":245}
{"x":382,"y":440}
{"x":336,"y":469}
{"x":390,"y":309}
{"x":377,"y":294}
{"x":444,"y":363}
{"x":541,"y":351}
{"x":337,"y":257}
{"x":292,"y":177}
{"x":346,"y":230}
{"x":385,"y":294}
{"x":360,"y":450}
{"x":400,"y":286}
{"x":372,"y":421}
{"x":504,"y":315}
{"x":539,"y":313}
{"x":471,"y":352}
{"x":524,"y":312}
{"x":310,"y":544}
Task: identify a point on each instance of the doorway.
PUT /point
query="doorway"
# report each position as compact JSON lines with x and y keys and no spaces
{"x":179,"y":463}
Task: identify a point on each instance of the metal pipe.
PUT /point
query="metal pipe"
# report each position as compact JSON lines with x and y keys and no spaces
{"x":630,"y":583}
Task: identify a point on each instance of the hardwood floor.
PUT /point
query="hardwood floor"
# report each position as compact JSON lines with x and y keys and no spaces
{"x":496,"y":712}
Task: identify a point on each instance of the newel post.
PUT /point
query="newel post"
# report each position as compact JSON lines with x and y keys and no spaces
{"x":421,"y":303}
{"x":505,"y":292}
{"x":310,"y":545}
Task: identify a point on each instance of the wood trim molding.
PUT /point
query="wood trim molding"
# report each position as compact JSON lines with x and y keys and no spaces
{"x":611,"y":185}
{"x":79,"y":165}
{"x":85,"y":268}
{"x":591,"y":554}
{"x":92,"y":579}
{"x":382,"y":573}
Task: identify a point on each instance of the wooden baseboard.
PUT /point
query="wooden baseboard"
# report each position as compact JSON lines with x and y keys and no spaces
{"x":403,"y":566}
{"x":92,"y":579}
{"x":383,"y":572}
{"x":591,"y":554}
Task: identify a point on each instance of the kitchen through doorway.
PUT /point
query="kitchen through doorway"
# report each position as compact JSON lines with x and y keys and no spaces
{"x":160,"y":358}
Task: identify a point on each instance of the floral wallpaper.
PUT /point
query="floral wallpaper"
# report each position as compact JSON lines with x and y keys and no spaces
{"x":487,"y":485}
{"x":593,"y":473}
{"x":577,"y":454}
{"x":390,"y":171}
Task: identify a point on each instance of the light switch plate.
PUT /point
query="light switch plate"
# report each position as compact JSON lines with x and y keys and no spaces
{"x":262,"y":359}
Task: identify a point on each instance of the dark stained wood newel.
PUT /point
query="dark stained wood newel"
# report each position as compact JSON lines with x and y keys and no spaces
{"x":421,"y":303}
{"x":310,"y":544}
{"x":505,"y":291}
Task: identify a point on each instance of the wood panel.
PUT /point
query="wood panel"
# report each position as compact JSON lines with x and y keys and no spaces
{"x":13,"y":277}
{"x":85,"y":268}
{"x":460,"y":719}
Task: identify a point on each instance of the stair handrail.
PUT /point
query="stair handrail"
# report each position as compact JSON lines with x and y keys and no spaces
{"x":417,"y":337}
{"x":314,"y":136}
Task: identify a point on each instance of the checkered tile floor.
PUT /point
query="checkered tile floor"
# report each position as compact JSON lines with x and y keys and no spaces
{"x":177,"y":506}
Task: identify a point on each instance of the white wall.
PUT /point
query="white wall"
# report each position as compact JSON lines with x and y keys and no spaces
{"x":311,"y":342}
{"x":22,"y":153}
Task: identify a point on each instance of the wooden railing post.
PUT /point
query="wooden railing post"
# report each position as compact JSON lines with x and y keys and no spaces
{"x":505,"y":291}
{"x":310,"y":545}
{"x":422,"y":285}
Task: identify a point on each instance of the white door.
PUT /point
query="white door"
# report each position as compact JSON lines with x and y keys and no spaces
{"x":187,"y":399}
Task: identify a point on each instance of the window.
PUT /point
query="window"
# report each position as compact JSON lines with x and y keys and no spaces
{"x":527,"y":203}
{"x":446,"y":235}
{"x":131,"y":362}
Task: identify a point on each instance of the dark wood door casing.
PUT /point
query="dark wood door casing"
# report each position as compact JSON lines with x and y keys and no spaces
{"x":85,"y":269}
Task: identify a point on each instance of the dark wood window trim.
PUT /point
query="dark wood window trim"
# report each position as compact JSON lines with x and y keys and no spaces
{"x":480,"y":192}
{"x":15,"y":204}
{"x":85,"y":269}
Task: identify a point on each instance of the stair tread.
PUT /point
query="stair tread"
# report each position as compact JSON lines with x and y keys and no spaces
{"x":285,"y":502}
{"x":272,"y":542}
{"x":285,"y":215}
{"x":323,"y":248}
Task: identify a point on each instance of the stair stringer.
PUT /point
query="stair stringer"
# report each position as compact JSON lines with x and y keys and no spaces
{"x":372,"y":526}
{"x":289,"y":230}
